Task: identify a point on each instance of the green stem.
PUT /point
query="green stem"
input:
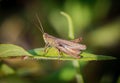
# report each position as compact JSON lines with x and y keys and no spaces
{"x":70,"y":25}
{"x":76,"y":64}
{"x":78,"y":73}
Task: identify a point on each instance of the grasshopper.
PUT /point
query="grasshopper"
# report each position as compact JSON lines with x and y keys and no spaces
{"x":72,"y":48}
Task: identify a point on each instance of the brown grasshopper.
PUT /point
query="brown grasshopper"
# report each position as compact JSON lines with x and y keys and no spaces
{"x":72,"y":48}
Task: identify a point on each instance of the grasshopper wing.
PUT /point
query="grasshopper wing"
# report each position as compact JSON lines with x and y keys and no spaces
{"x":69,"y":47}
{"x":70,"y":44}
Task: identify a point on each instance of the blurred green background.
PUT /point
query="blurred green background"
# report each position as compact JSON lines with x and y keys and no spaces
{"x":97,"y":21}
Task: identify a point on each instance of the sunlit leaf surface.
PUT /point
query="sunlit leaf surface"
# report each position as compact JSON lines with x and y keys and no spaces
{"x":9,"y":50}
{"x":53,"y":55}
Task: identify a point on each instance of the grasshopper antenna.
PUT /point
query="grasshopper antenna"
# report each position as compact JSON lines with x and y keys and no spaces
{"x":39,"y":27}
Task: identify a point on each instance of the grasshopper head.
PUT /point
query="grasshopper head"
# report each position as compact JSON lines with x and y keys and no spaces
{"x":48,"y":38}
{"x":45,"y":37}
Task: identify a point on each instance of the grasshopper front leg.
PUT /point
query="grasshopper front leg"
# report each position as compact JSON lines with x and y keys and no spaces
{"x":46,"y":46}
{"x":46,"y":49}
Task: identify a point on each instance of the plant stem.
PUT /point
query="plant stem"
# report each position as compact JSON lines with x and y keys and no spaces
{"x":79,"y":77}
{"x":76,"y":64}
{"x":70,"y":25}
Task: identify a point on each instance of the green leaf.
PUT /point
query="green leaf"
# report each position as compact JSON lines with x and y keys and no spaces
{"x":10,"y":50}
{"x":53,"y":55}
{"x":7,"y":70}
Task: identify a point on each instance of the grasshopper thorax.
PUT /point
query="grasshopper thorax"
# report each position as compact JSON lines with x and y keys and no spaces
{"x":48,"y":38}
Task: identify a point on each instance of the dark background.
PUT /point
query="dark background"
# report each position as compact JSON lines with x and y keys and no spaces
{"x":97,"y":21}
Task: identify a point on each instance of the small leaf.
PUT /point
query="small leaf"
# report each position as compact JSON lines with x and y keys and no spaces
{"x":53,"y":55}
{"x":7,"y":70}
{"x":10,"y":50}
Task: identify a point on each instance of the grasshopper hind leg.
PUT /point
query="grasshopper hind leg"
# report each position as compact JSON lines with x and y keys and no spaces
{"x":60,"y":54}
